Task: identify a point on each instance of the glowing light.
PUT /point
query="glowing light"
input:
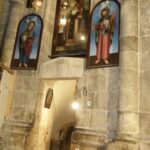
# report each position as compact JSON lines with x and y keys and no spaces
{"x":37,"y":4}
{"x":65,"y":3}
{"x":82,"y":38}
{"x":63,"y":21}
{"x":107,"y":1}
{"x":75,"y":105}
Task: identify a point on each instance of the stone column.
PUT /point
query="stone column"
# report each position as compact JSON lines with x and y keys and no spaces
{"x":16,"y":12}
{"x":47,"y":35}
{"x":144,"y":58}
{"x":128,"y":125}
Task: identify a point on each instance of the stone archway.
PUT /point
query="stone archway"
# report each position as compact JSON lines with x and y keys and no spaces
{"x":61,"y":77}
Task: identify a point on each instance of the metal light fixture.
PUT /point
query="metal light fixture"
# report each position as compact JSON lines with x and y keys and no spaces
{"x":37,"y":4}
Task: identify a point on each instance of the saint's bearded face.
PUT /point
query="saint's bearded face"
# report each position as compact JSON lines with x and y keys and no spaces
{"x":104,"y":13}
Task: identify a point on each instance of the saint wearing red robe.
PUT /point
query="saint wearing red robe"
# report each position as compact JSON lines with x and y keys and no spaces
{"x":104,"y":33}
{"x":25,"y":44}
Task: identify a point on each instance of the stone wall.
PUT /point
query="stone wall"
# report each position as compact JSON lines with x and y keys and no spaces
{"x":6,"y":92}
{"x":25,"y":96}
{"x":21,"y":112}
{"x":114,"y":102}
{"x":97,"y":117}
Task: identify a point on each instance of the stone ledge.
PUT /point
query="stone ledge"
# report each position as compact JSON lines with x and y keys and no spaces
{"x":62,"y":67}
{"x":122,"y":145}
{"x":127,"y":137}
{"x":88,"y":131}
{"x":96,"y":138}
{"x":18,"y":123}
{"x":17,"y":127}
{"x":10,"y":148}
{"x":87,"y":140}
{"x":92,"y":138}
{"x":145,"y":139}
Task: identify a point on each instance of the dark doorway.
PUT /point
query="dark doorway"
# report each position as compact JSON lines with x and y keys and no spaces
{"x":62,"y":140}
